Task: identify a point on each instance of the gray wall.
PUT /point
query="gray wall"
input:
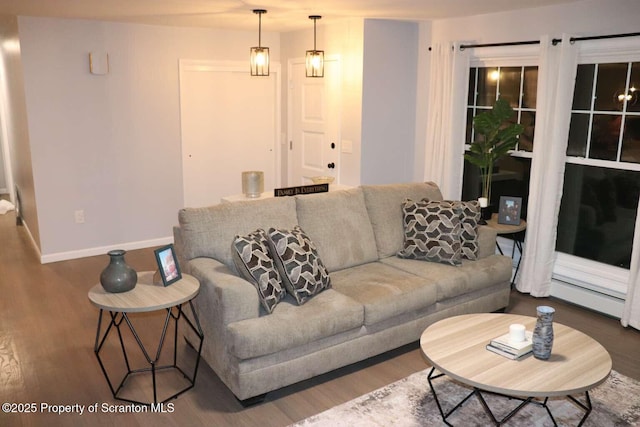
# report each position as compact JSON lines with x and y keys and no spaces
{"x":389,"y":101}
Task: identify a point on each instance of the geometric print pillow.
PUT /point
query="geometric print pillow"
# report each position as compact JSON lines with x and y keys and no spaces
{"x":470,"y":217}
{"x":253,"y":262}
{"x":432,"y":231}
{"x":296,"y":257}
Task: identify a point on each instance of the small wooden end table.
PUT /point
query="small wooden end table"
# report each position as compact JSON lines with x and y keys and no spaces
{"x":509,"y":230}
{"x":456,"y":347}
{"x":146,"y":297}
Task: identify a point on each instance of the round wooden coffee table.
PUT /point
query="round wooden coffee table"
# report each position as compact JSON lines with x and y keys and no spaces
{"x":456,"y":347}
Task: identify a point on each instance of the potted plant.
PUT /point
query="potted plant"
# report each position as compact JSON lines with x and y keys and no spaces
{"x":495,"y":135}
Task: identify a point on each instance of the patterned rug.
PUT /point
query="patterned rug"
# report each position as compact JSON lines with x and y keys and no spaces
{"x":409,"y":403}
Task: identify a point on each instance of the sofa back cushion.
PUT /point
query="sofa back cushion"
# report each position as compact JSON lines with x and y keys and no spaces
{"x":338,"y":223}
{"x":210,"y":231}
{"x":384,"y":205}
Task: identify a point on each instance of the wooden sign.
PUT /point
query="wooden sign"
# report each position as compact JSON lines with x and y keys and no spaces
{"x":304,"y":189}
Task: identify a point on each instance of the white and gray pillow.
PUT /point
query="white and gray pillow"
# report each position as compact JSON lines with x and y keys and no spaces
{"x":251,"y":257}
{"x":296,"y":257}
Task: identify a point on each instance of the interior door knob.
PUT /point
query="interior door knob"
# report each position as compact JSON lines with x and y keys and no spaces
{"x":331,"y":165}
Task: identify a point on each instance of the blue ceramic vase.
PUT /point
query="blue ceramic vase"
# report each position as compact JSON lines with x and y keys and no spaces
{"x":543,"y":333}
{"x":118,"y":276}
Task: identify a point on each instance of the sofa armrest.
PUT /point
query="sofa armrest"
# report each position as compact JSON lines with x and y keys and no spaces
{"x":486,"y":241}
{"x":223,"y":295}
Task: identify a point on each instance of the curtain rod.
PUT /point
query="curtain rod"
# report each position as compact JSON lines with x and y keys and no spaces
{"x":470,"y":46}
{"x":609,"y":36}
{"x":553,"y":41}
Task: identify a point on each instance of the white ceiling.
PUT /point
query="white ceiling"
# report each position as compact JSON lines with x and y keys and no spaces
{"x":282,"y":16}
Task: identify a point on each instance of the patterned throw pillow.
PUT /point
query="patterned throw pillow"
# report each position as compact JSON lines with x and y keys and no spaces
{"x":470,"y":217}
{"x":303,"y":273}
{"x":432,"y":231}
{"x":253,"y":262}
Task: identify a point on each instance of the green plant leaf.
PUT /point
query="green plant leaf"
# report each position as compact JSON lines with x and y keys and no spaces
{"x":496,"y":134}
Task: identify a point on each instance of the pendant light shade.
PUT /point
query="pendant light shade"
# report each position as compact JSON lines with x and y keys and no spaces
{"x":259,"y":55}
{"x":315,"y":58}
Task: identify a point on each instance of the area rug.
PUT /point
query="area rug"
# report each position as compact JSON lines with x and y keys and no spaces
{"x":409,"y":402}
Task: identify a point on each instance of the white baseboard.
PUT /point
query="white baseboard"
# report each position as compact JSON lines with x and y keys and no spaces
{"x":82,"y":253}
{"x":588,"y":298}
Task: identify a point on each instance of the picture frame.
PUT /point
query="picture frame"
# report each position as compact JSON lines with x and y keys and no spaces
{"x":509,"y":210}
{"x":168,"y":266}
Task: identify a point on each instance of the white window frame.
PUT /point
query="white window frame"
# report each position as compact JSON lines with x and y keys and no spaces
{"x":503,"y":56}
{"x":606,"y":281}
{"x":603,"y":283}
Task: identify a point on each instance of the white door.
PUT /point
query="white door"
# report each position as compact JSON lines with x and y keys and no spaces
{"x":230,"y":122}
{"x":314,"y":118}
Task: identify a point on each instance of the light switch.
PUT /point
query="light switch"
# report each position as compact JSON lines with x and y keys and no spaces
{"x":99,"y":63}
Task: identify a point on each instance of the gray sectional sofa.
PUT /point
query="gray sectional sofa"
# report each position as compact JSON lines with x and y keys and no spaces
{"x":377,"y":301}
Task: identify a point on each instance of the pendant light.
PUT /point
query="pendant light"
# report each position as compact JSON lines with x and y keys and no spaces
{"x":259,"y":55}
{"x":315,"y":58}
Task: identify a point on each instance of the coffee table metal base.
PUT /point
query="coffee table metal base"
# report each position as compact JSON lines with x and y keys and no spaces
{"x":586,"y":406}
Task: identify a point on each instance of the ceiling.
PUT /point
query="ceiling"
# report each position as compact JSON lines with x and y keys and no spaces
{"x":282,"y":16}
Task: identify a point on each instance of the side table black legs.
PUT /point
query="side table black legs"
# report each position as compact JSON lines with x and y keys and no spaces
{"x":173,"y":313}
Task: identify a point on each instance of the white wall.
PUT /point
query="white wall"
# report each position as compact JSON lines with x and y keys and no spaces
{"x":389,"y":101}
{"x":14,"y":116}
{"x":110,"y":145}
{"x":585,"y":18}
{"x":3,"y":181}
{"x":343,"y":38}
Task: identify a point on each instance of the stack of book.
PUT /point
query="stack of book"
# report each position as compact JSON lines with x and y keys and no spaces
{"x":503,"y":346}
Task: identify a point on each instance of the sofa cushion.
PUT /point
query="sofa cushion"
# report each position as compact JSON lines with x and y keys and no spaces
{"x":209,"y":231}
{"x":290,"y":325}
{"x":297,"y":260}
{"x":338,"y":223}
{"x":384,"y":205}
{"x":432,"y":231}
{"x":453,"y":281}
{"x":384,"y":291}
{"x":254,"y":263}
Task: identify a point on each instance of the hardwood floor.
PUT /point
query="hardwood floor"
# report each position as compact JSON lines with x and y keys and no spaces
{"x":47,"y":333}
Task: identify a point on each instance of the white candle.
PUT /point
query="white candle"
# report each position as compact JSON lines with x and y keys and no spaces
{"x":516,"y":332}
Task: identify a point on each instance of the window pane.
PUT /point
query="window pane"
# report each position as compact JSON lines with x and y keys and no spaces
{"x":487,"y":86}
{"x":584,"y":87}
{"x":578,"y":132}
{"x":605,"y":136}
{"x":631,"y":140}
{"x":467,"y":138}
{"x":510,"y":85}
{"x":612,"y":79}
{"x":472,"y":86}
{"x":530,"y":87}
{"x":633,"y":104}
{"x":510,"y":178}
{"x":598,"y":213}
{"x":528,"y":121}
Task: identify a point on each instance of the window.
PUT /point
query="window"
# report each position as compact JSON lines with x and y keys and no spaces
{"x":602,"y":175}
{"x":518,"y":85}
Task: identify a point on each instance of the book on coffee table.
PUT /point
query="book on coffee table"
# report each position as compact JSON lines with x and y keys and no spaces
{"x":514,"y":348}
{"x":508,"y":355}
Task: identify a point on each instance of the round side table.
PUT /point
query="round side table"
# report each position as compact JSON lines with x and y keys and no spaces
{"x":147,"y":297}
{"x":510,"y":231}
